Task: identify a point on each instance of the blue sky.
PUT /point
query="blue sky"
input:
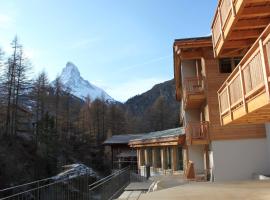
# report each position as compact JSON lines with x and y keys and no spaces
{"x":123,"y":46}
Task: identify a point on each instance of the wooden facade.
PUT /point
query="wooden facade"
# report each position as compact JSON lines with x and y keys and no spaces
{"x":237,"y":24}
{"x":209,"y":109}
{"x":119,"y":153}
{"x":223,"y":84}
{"x":202,"y":122}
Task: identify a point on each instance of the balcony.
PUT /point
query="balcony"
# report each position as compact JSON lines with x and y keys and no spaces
{"x":237,"y":24}
{"x":244,"y":96}
{"x":194,"y":92}
{"x":197,"y":133}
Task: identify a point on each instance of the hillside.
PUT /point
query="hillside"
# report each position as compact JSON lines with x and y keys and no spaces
{"x":154,"y":107}
{"x":139,"y":103}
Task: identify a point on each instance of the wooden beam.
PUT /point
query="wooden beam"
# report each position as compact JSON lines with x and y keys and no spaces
{"x":258,"y":1}
{"x":157,"y":140}
{"x":155,"y":144}
{"x":191,"y":54}
{"x":238,"y":43}
{"x":251,"y":23}
{"x":256,"y":11}
{"x":194,"y":43}
{"x":236,"y":52}
{"x":245,"y":34}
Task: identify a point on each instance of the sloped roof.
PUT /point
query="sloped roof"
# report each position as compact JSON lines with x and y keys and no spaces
{"x":161,"y":134}
{"x":121,"y":139}
{"x":194,"y":38}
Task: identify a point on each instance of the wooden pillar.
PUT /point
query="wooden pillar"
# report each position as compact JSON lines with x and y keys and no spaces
{"x":141,"y":160}
{"x":206,"y":161}
{"x":164,"y":163}
{"x":150,"y":156}
{"x":158,"y":158}
{"x":154,"y":158}
{"x":185,"y":158}
{"x":146,"y":156}
{"x":174,"y":158}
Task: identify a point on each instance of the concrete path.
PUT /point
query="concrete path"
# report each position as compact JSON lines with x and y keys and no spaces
{"x":134,"y":190}
{"x":168,"y":181}
{"x":247,"y":190}
{"x":139,"y":186}
{"x":130,"y":195}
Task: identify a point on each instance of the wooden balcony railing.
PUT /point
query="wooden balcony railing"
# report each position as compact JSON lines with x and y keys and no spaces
{"x":237,"y":24}
{"x":194,"y":85}
{"x":224,"y":10}
{"x":248,"y":81}
{"x":197,"y":133}
{"x":193,"y":91}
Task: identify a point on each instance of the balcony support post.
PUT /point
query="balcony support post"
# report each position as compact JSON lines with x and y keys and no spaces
{"x":243,"y":90}
{"x":233,"y":9}
{"x":219,"y":105}
{"x":214,"y":42}
{"x":265,"y":68}
{"x":221,"y":24}
{"x":229,"y":99}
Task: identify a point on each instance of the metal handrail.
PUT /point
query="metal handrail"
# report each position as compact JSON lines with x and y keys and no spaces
{"x":73,"y":188}
{"x":25,"y":184}
{"x":103,"y":180}
{"x":109,"y":178}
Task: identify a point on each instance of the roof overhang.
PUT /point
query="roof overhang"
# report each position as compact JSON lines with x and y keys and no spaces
{"x":164,"y":141}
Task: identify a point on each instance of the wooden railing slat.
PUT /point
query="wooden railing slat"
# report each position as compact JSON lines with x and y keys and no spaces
{"x":264,"y":68}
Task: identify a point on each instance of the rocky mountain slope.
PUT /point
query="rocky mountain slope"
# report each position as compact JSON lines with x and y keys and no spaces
{"x":154,"y":110}
{"x":137,"y":105}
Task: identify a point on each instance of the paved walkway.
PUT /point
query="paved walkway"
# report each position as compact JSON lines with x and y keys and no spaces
{"x":168,"y":181}
{"x":139,"y":186}
{"x":247,"y":190}
{"x":130,"y":195}
{"x":134,"y":190}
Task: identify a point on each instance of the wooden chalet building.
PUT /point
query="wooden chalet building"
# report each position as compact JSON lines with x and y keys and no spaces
{"x":223,"y":84}
{"x":161,"y":150}
{"x":120,"y":154}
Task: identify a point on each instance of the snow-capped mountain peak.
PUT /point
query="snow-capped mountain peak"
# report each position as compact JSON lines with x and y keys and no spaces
{"x":71,"y":78}
{"x":71,"y":69}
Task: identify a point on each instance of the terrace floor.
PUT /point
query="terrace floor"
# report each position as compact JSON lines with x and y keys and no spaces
{"x":248,"y":190}
{"x":159,"y":182}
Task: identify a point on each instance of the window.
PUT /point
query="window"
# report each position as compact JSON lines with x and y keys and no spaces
{"x":226,"y":65}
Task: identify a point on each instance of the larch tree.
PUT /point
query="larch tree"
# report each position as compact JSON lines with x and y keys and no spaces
{"x":40,"y":95}
{"x":58,"y":89}
{"x":14,"y":71}
{"x":22,"y":85}
{"x":1,"y":93}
